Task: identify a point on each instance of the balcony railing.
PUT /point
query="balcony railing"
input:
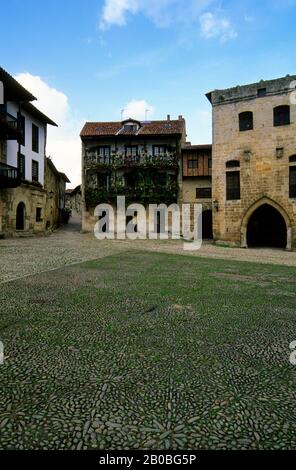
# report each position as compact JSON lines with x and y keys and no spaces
{"x":9,"y":176}
{"x":168,"y":160}
{"x":145,"y":194}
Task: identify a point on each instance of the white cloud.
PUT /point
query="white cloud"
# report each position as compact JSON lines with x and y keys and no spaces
{"x":161,"y":12}
{"x":115,"y":11}
{"x":212,"y":26}
{"x":137,"y":110}
{"x":63,"y":142}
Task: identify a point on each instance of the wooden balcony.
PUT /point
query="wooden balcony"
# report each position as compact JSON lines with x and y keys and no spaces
{"x":94,"y":161}
{"x":9,"y":176}
{"x":9,"y":126}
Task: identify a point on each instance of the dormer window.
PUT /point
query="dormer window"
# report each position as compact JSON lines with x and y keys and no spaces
{"x":130,"y":127}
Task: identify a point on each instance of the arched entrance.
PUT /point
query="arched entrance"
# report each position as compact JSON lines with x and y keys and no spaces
{"x":20,"y":216}
{"x":207,"y":225}
{"x":267,"y":228}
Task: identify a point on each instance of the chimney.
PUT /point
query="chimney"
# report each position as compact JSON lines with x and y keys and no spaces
{"x":168,"y":117}
{"x":180,"y":117}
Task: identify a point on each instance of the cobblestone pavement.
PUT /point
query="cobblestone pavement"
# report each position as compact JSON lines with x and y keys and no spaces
{"x":150,"y":351}
{"x":25,"y":256}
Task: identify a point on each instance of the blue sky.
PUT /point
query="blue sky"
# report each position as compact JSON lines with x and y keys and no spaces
{"x":88,"y":60}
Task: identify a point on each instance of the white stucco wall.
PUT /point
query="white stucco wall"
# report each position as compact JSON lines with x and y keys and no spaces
{"x":12,"y":145}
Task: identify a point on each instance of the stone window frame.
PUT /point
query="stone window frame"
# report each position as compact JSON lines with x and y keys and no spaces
{"x":292,"y":177}
{"x":230,"y":164}
{"x":246,"y":121}
{"x":282,"y":115}
{"x":233,"y":194}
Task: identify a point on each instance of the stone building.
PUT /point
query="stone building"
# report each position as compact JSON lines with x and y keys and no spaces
{"x":23,"y":129}
{"x":55,"y":186}
{"x":197,"y":182}
{"x":73,"y":200}
{"x":254,"y":164}
{"x":138,"y":160}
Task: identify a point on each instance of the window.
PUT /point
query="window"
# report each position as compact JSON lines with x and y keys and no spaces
{"x":35,"y":171}
{"x":203,"y":193}
{"x":103,"y":154}
{"x":159,"y":150}
{"x":131,"y":150}
{"x":131,"y":128}
{"x":103,"y":181}
{"x":192,"y":163}
{"x":38,"y":214}
{"x":292,"y":177}
{"x":22,"y":126}
{"x":281,"y":116}
{"x":21,"y":164}
{"x":233,"y":185}
{"x":261,"y":92}
{"x":160,"y":179}
{"x":233,"y":164}
{"x":246,"y":121}
{"x":292,"y":182}
{"x":210,"y":162}
{"x":35,"y":138}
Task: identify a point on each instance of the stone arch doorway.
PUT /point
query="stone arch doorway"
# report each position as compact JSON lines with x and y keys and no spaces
{"x":20,"y":216}
{"x":266,"y":224}
{"x":207,"y":225}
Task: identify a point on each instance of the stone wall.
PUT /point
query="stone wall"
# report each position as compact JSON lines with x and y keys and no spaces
{"x":263,"y":154}
{"x":32,"y":197}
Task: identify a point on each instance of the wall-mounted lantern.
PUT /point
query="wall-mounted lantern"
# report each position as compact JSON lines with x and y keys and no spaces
{"x":279,"y":152}
{"x":216,"y":205}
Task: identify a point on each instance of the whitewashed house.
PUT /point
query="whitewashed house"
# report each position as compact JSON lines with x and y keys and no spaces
{"x":22,"y":160}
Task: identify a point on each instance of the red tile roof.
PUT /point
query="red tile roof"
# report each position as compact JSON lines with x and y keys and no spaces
{"x":93,"y":129}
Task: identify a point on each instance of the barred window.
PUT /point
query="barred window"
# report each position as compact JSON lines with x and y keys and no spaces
{"x":292,"y":182}
{"x":21,"y":164}
{"x":35,"y":171}
{"x":233,"y":185}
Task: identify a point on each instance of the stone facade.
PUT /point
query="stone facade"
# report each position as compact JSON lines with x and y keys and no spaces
{"x":262,"y":153}
{"x":32,"y":199}
{"x":197,"y":182}
{"x":55,"y":186}
{"x":73,"y":200}
{"x":138,"y":160}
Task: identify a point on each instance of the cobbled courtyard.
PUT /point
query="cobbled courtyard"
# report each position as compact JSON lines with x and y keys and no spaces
{"x":121,"y":345}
